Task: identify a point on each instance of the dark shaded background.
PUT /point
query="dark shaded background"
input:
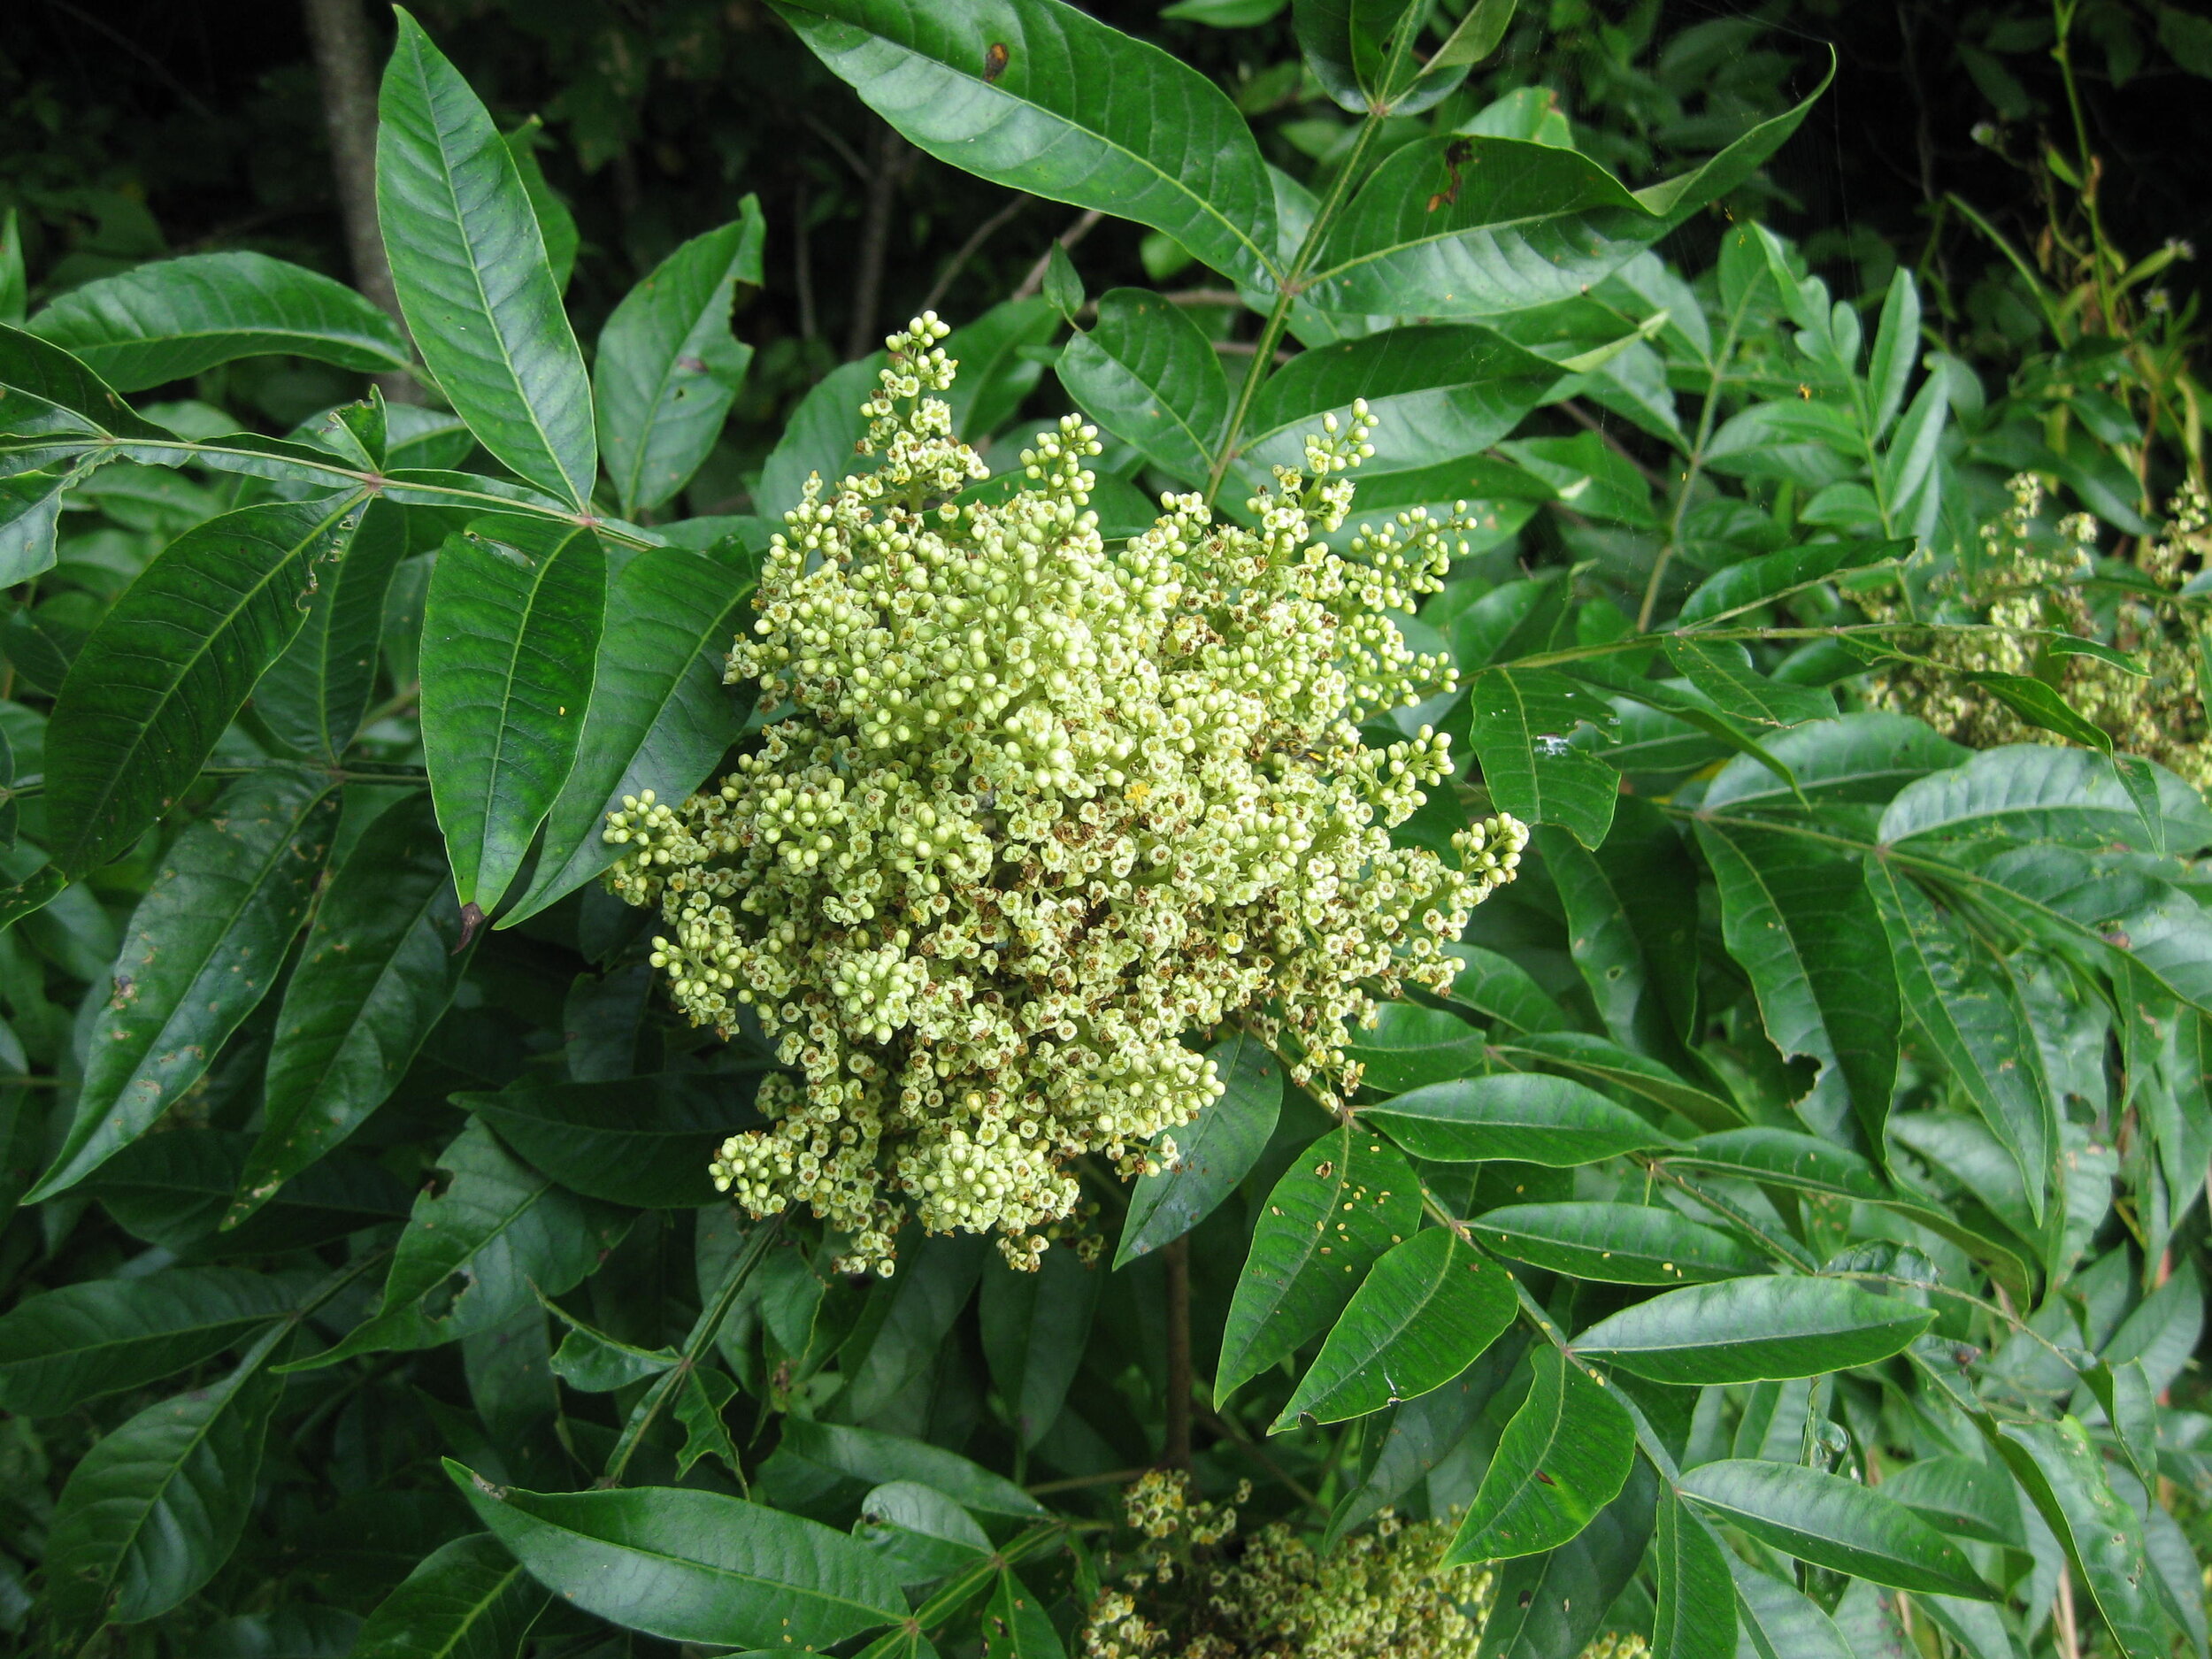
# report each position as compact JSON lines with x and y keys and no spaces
{"x":133,"y":127}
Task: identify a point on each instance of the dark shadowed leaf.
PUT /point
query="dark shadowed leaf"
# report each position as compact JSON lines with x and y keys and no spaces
{"x":380,"y":964}
{"x":488,"y":1235}
{"x":933,"y":1284}
{"x":1214,"y":1151}
{"x":1002,"y":356}
{"x":1499,"y":988}
{"x":1034,"y":1327}
{"x":1554,"y":1603}
{"x":875,"y":1458}
{"x":170,"y":664}
{"x":1423,"y":1431}
{"x":1016,"y":1626}
{"x":74,"y":1344}
{"x":204,"y":946}
{"x":155,"y":1508}
{"x":644,"y":1141}
{"x":469,"y":1599}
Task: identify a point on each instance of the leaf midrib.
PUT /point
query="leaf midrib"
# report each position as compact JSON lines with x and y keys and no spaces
{"x":252,"y":889}
{"x":1114,"y":145}
{"x":540,"y":572}
{"x":629,"y":485}
{"x":249,"y":1368}
{"x":117,"y":773}
{"x":692,"y":1564}
{"x":384,"y":977}
{"x":716,"y":628}
{"x":445,"y":176}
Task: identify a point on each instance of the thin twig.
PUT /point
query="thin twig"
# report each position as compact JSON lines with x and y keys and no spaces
{"x":2068,"y":1637}
{"x":1111,"y":1477}
{"x":803,"y":265}
{"x":969,"y":248}
{"x":835,"y":140}
{"x":1582,"y":418}
{"x":1035,"y":280}
{"x":892,"y":154}
{"x":1227,"y":1429}
{"x":1175,"y":1448}
{"x":190,"y":99}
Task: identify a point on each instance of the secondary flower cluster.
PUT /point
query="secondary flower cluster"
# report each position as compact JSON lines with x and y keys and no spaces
{"x":1035,"y":809}
{"x":1192,"y":1594}
{"x":1195,"y":1590}
{"x":2029,"y":581}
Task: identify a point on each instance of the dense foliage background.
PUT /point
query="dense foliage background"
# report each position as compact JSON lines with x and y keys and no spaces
{"x":1831,"y":604}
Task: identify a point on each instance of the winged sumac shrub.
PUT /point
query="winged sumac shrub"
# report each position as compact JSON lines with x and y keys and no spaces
{"x":1626,"y":998}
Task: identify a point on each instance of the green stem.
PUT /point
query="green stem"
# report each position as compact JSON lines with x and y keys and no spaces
{"x":702,"y":1334}
{"x":1783,"y":1249}
{"x":340,"y":476}
{"x":371,"y":771}
{"x":1705,"y":416}
{"x":2085,"y":161}
{"x":1279,"y":318}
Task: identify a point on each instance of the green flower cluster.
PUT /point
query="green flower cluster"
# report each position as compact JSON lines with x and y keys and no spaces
{"x":1194,"y":1591}
{"x":1036,"y":808}
{"x":2027,"y":583}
